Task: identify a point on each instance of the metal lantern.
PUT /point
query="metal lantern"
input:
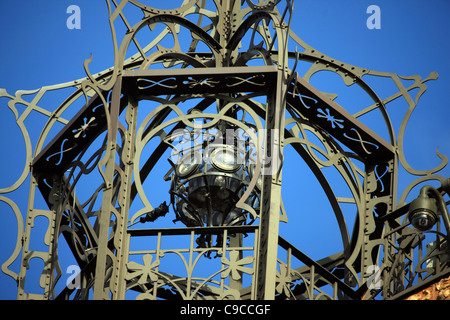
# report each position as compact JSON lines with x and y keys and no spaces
{"x":209,"y":180}
{"x":202,"y":81}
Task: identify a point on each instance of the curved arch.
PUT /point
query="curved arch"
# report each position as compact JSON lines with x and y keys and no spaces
{"x":262,"y":5}
{"x":153,"y":10}
{"x":165,"y":18}
{"x":351,"y":73}
{"x":327,"y":189}
{"x":181,"y":121}
{"x":244,"y":27}
{"x":312,"y":164}
{"x":20,"y":230}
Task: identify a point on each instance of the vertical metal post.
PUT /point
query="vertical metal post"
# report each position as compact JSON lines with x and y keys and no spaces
{"x":377,"y":190}
{"x":48,"y":257}
{"x":271,"y":197}
{"x":21,"y":294}
{"x":226,"y":26}
{"x":121,"y":240}
{"x":108,"y":193}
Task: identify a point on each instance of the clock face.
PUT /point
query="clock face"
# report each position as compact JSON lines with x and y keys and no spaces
{"x":225,"y":159}
{"x":188,"y":164}
{"x":331,"y":175}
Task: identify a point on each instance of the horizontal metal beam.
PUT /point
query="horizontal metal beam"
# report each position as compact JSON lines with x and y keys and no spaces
{"x":336,"y":121}
{"x":91,"y":120}
{"x":186,"y":231}
{"x":83,"y":129}
{"x":142,"y":83}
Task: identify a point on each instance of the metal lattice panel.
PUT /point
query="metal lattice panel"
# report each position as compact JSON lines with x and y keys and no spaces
{"x":94,"y":174}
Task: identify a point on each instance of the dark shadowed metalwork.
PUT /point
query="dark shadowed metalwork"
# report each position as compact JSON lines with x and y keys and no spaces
{"x":218,"y":112}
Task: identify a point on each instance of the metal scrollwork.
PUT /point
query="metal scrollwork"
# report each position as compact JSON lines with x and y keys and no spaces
{"x":95,"y":175}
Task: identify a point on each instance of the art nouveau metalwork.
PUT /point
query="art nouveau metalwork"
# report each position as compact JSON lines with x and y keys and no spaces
{"x":236,"y":74}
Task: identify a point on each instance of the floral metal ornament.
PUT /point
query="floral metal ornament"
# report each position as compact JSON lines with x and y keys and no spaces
{"x":94,"y":175}
{"x":236,"y":265}
{"x":144,"y":272}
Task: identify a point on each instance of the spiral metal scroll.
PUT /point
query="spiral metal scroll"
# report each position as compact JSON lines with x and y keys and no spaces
{"x":117,"y":141}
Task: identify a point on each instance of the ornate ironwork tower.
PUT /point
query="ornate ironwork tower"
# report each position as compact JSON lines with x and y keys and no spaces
{"x":205,"y":110}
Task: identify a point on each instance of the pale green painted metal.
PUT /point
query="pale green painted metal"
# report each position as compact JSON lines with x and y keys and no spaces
{"x":100,"y":239}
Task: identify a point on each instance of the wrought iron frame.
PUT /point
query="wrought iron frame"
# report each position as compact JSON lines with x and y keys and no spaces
{"x":100,"y":237}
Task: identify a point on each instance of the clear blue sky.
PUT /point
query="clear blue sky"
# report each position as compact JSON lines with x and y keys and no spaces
{"x":38,"y":50}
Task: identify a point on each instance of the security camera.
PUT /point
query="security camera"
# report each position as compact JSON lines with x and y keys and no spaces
{"x":423,"y":215}
{"x":423,"y":211}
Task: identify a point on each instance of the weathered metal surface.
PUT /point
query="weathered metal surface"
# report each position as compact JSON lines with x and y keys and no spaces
{"x":106,"y":147}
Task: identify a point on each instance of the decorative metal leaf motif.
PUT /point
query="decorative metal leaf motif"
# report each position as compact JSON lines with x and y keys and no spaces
{"x":144,"y":271}
{"x":236,"y":266}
